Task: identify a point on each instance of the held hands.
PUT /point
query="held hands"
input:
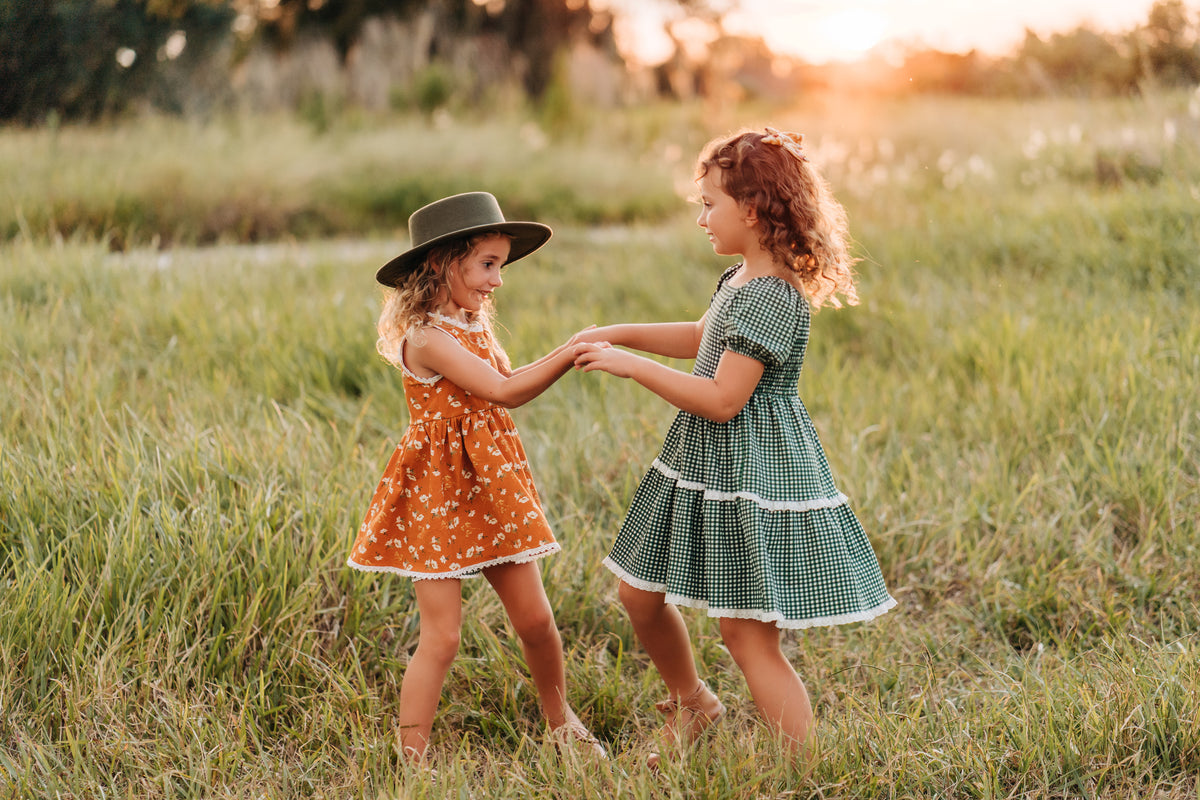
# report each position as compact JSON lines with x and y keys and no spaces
{"x":593,"y":351}
{"x":603,"y":356}
{"x":591,"y":335}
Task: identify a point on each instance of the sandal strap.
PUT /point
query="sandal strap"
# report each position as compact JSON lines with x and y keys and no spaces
{"x":689,"y":703}
{"x":667,"y":706}
{"x":576,"y":733}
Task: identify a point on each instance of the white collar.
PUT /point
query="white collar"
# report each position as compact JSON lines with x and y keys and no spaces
{"x":466,"y":326}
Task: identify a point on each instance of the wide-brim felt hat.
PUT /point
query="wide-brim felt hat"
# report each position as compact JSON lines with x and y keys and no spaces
{"x":454,"y":217}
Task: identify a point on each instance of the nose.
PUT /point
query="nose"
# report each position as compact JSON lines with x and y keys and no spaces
{"x":497,"y":279}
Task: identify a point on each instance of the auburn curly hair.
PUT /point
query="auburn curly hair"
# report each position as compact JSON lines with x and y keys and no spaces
{"x":800,"y":222}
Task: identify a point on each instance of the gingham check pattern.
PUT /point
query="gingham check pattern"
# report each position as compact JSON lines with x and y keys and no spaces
{"x":743,"y":518}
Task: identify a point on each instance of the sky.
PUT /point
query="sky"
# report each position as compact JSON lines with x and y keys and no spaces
{"x":829,"y":30}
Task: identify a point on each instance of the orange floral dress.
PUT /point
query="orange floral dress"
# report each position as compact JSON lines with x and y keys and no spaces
{"x":457,"y":495}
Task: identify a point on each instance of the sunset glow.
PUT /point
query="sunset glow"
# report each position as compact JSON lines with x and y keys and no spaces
{"x":840,"y":33}
{"x":834,"y":30}
{"x":853,"y":31}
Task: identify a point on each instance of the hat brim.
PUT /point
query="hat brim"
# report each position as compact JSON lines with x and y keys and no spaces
{"x":526,"y":237}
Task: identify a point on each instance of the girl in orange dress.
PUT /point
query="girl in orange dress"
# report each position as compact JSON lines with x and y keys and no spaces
{"x":457,"y":499}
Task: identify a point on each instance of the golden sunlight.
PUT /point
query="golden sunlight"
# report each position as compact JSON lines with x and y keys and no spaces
{"x":816,"y":32}
{"x":845,"y":30}
{"x":851,"y":32}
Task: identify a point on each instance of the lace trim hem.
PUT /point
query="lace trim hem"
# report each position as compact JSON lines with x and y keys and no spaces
{"x":473,"y":571}
{"x":770,"y":505}
{"x":775,"y":617}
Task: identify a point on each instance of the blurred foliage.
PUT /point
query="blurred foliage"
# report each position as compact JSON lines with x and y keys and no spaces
{"x":433,"y":88}
{"x":1164,"y":51}
{"x":86,"y":60}
{"x":1171,"y":44}
{"x":89,"y":60}
{"x":537,"y":29}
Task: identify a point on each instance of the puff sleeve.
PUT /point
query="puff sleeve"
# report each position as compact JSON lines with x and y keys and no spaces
{"x":761,"y":321}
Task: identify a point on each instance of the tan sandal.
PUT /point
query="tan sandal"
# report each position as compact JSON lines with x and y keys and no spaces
{"x":574,"y":736}
{"x":687,"y":718}
{"x":418,"y":759}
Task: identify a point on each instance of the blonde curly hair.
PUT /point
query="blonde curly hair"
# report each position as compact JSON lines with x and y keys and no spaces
{"x":409,"y":307}
{"x":800,"y":222}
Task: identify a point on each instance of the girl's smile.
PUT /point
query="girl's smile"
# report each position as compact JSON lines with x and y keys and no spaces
{"x":473,"y":279}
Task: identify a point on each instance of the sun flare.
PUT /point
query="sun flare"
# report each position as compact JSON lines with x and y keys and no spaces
{"x":853,"y":31}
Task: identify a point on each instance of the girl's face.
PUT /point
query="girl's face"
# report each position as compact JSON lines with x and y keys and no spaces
{"x":729,"y":226}
{"x":472,"y":280}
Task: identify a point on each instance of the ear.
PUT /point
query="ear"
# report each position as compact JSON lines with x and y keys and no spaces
{"x":750,"y":215}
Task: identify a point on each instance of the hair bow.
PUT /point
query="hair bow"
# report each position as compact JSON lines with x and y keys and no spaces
{"x":792,"y":142}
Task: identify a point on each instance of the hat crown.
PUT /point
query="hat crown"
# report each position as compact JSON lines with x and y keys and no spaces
{"x":450,"y":215}
{"x":457,"y":216}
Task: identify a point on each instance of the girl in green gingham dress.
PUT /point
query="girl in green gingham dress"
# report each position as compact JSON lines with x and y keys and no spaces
{"x":739,"y":513}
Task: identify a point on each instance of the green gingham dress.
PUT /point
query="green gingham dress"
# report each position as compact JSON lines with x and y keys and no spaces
{"x":742,"y":518}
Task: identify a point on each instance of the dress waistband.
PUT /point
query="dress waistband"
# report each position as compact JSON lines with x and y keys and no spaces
{"x":426,"y":419}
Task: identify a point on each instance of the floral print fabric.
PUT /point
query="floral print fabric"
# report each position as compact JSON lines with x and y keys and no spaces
{"x":457,"y":494}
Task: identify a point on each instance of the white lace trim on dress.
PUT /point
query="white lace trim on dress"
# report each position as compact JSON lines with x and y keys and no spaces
{"x":473,"y":327}
{"x":430,"y":381}
{"x":770,"y":505}
{"x":749,"y":613}
{"x":473,"y":571}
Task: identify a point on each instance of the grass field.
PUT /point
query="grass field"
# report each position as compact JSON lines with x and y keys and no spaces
{"x":189,"y":437}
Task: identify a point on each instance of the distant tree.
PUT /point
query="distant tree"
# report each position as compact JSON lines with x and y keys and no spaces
{"x":85,"y":59}
{"x":1168,"y":44}
{"x":538,"y":30}
{"x":90,"y":58}
{"x":948,"y":73}
{"x":1081,"y":61}
{"x":280,"y":22}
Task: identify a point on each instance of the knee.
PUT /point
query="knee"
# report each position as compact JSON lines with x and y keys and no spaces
{"x":536,"y":627}
{"x":440,"y":646}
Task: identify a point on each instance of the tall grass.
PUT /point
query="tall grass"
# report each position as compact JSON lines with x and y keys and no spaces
{"x":164,"y":181}
{"x":188,"y":439}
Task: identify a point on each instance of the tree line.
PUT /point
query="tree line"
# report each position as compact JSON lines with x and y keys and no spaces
{"x":86,"y":60}
{"x":1163,"y":51}
{"x":82,"y":59}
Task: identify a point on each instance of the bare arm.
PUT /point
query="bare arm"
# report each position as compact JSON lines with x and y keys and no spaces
{"x":441,"y":354}
{"x":719,"y":398}
{"x":555,"y":353}
{"x":670,"y":339}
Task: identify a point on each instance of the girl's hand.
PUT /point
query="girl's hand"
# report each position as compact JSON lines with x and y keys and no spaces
{"x":591,"y":335}
{"x":577,"y":349}
{"x":603,"y":356}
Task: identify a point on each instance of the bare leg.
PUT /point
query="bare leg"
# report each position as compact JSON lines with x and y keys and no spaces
{"x":661,"y":630}
{"x":691,"y":706}
{"x":440,"y":604}
{"x":520,"y":589}
{"x":777,"y":689}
